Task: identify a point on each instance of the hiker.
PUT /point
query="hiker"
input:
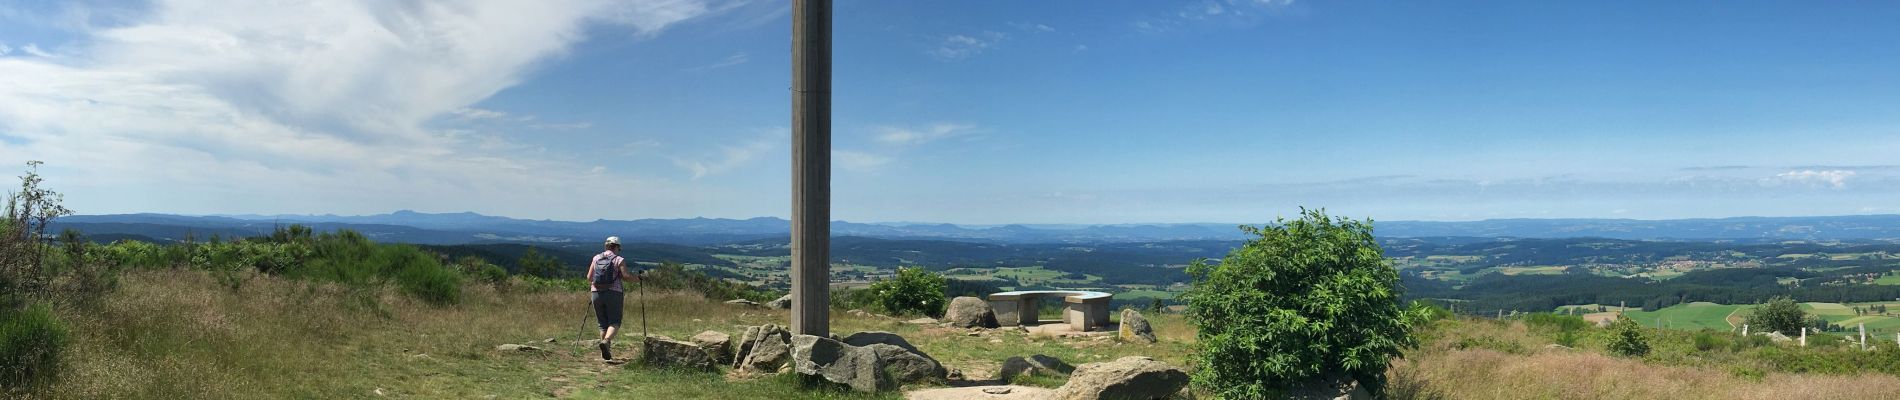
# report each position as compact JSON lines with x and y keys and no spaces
{"x":604,"y":274}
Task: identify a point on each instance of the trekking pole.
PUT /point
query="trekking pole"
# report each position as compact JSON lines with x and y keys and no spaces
{"x":643,"y":307}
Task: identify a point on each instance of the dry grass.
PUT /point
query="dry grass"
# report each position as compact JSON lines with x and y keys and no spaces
{"x":1482,"y":360}
{"x":179,"y":334}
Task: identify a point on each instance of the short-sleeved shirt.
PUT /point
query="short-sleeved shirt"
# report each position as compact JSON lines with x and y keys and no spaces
{"x":619,"y":262}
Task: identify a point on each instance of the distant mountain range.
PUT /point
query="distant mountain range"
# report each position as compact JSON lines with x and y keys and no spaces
{"x":461,"y":228}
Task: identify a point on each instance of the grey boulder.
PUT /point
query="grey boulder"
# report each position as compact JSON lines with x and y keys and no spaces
{"x":717,"y":344}
{"x":970,"y":312}
{"x":668,"y":353}
{"x":1036,"y":365}
{"x":1132,"y":377}
{"x":1135,"y":327}
{"x":783,"y":303}
{"x":834,"y":361}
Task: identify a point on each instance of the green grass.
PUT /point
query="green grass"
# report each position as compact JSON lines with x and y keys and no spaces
{"x":1692,"y":316}
{"x":1887,"y":280}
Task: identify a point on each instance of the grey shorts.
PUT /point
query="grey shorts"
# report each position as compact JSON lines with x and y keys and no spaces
{"x":607,"y":307}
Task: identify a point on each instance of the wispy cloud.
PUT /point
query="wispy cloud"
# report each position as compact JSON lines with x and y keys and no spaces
{"x":957,"y":47}
{"x":731,"y":60}
{"x":218,"y":102}
{"x":729,"y":157}
{"x":1233,"y":12}
{"x":1830,"y":178}
{"x":1032,"y":27}
{"x":915,"y":136}
{"x":859,"y":161}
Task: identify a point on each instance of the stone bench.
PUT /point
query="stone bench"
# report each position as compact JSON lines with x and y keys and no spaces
{"x":1083,"y":310}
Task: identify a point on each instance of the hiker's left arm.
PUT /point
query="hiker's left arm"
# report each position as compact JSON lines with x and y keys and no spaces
{"x":627,"y":275}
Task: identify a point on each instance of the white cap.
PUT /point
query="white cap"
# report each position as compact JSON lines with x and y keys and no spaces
{"x":613,"y":240}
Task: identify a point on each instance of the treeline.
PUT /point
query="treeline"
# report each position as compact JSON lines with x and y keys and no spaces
{"x":1493,"y":292}
{"x":1121,"y":263}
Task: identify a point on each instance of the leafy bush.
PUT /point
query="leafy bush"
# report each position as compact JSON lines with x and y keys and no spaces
{"x":1626,"y":338}
{"x":1706,"y":340}
{"x":1306,"y":299}
{"x":534,"y":263}
{"x":912,"y":291}
{"x":30,"y":344}
{"x":1780,"y":314}
{"x":483,"y":271}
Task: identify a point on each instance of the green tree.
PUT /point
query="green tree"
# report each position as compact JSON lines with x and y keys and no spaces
{"x":1308,"y":299}
{"x":1780,"y":314}
{"x":912,"y":291}
{"x":540,"y":265}
{"x":1626,"y":338}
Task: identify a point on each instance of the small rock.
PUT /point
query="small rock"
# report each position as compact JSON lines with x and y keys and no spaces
{"x":970,"y":312}
{"x":516,"y":347}
{"x":996,"y":340}
{"x":378,"y":391}
{"x":743,"y":302}
{"x":996,"y":390}
{"x":548,"y":340}
{"x":922,"y":321}
{"x":973,"y":334}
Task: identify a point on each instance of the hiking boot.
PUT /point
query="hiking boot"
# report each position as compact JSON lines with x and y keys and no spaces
{"x":606,"y":350}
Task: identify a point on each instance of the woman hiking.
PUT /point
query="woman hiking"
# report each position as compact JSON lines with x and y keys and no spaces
{"x":607,"y":295}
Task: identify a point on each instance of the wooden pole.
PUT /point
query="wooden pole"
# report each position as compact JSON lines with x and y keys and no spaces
{"x":811,"y":167}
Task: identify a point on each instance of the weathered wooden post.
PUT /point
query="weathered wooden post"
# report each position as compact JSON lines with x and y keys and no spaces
{"x":1804,"y":336}
{"x":811,"y":167}
{"x":1863,"y":336}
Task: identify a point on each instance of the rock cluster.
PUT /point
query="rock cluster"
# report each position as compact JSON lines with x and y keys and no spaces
{"x":763,"y":349}
{"x":865,"y":361}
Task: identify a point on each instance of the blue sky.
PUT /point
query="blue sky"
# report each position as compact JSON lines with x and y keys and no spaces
{"x":962,"y":112}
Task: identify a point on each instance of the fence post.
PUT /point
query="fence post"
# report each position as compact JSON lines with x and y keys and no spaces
{"x":1745,"y":330}
{"x":1804,"y":336}
{"x":1863,"y":336}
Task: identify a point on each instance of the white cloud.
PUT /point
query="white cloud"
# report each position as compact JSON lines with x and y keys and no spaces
{"x":34,"y":49}
{"x":735,"y":59}
{"x":472,"y":113}
{"x":957,"y":47}
{"x":914,"y":136}
{"x":729,"y":157}
{"x":1831,"y":178}
{"x":308,"y":105}
{"x":859,"y":161}
{"x":4,"y":49}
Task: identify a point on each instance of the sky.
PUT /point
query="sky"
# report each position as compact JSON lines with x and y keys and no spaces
{"x":973,"y":112}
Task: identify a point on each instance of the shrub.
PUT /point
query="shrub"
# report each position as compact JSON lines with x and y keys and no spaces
{"x":1626,"y":338}
{"x":1780,"y":314}
{"x":30,"y":344}
{"x":912,"y":291}
{"x":1306,"y":299}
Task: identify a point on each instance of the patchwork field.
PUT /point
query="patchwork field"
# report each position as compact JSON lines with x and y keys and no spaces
{"x":1728,"y":317}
